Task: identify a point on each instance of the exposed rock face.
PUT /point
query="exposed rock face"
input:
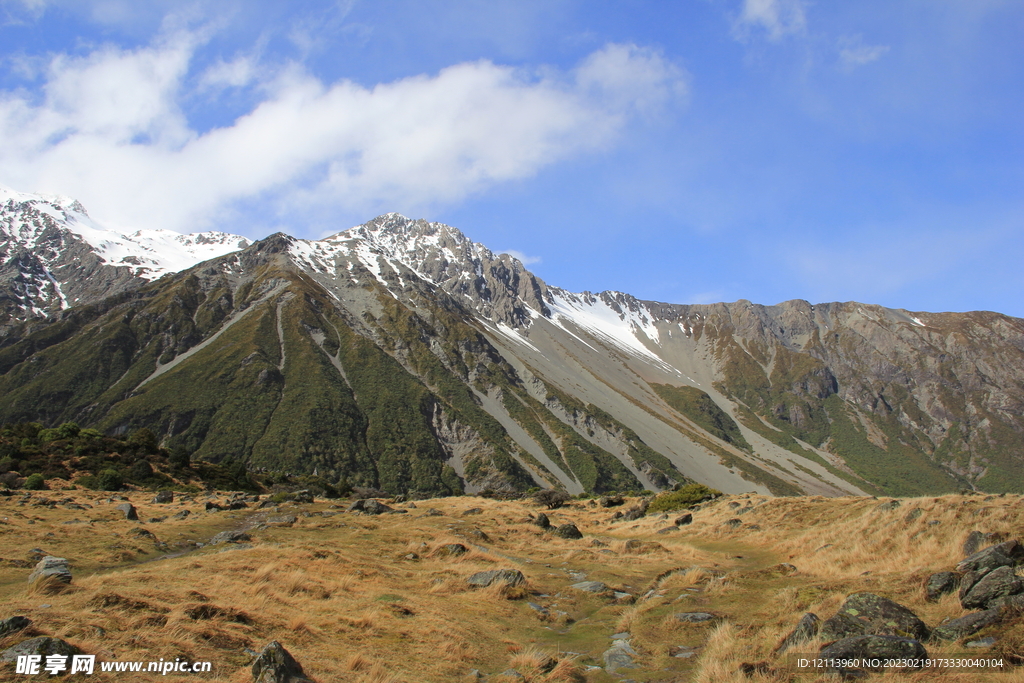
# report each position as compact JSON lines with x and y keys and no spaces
{"x":966,"y":625}
{"x":939,"y":584}
{"x":999,"y":583}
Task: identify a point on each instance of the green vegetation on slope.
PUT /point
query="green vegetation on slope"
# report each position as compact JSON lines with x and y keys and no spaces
{"x":698,"y":406}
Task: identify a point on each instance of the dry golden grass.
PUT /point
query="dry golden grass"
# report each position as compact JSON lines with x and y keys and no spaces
{"x":358,"y":598}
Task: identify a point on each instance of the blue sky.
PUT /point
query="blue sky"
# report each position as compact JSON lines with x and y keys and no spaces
{"x":687,"y":151}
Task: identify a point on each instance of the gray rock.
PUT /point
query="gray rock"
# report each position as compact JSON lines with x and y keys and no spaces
{"x":52,"y":569}
{"x":211,"y":506}
{"x":684,"y":519}
{"x":694,"y":617}
{"x":913,"y":515}
{"x":633,"y":514}
{"x":542,"y":521}
{"x":129,"y":511}
{"x":510,"y":577}
{"x":610,"y":501}
{"x":973,"y":542}
{"x":888,"y":506}
{"x":733,"y":523}
{"x":806,"y":629}
{"x":282,"y":519}
{"x":230,"y":537}
{"x":981,"y":642}
{"x":43,"y":645}
{"x":181,"y":515}
{"x":276,"y":665}
{"x":619,"y":656}
{"x":870,"y":614}
{"x":568,"y":531}
{"x":164,"y":497}
{"x":12,"y":624}
{"x":939,"y":584}
{"x":966,"y":625}
{"x":1008,"y":554}
{"x":590,"y":586}
{"x":303,"y":496}
{"x":473,"y":511}
{"x":874,"y":647}
{"x":998,"y":583}
{"x":370,"y":506}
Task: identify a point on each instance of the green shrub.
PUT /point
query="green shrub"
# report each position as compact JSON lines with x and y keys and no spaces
{"x":35,"y":482}
{"x":109,"y":480}
{"x":691,"y":494}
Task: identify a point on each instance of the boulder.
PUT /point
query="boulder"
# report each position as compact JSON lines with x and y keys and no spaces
{"x":610,"y":501}
{"x":370,"y":506}
{"x":43,"y":645}
{"x":211,"y":506}
{"x":966,"y":625}
{"x":568,"y":531}
{"x":684,"y":519}
{"x":164,"y":497}
{"x":181,"y":515}
{"x":276,"y":665}
{"x":633,"y":514}
{"x":939,"y":584}
{"x":472,"y":511}
{"x":998,"y":583}
{"x":1008,"y":554}
{"x":129,"y":511}
{"x":733,"y":523}
{"x":510,"y":577}
{"x":12,"y":624}
{"x":51,"y":569}
{"x":888,"y":506}
{"x":619,"y":656}
{"x":869,"y":614}
{"x":451,"y":550}
{"x":806,"y":629}
{"x":542,"y":521}
{"x":880,"y":647}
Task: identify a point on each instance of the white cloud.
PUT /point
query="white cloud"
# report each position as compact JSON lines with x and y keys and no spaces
{"x":853,"y":52}
{"x":523,"y":258}
{"x":778,"y":18}
{"x":108,"y":129}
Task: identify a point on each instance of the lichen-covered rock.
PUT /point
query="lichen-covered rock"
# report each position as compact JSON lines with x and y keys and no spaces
{"x":230,"y":537}
{"x":880,"y":647}
{"x":870,"y":614}
{"x":12,"y":624}
{"x":1008,"y":554}
{"x":939,"y":584}
{"x":998,"y":583}
{"x":966,"y":625}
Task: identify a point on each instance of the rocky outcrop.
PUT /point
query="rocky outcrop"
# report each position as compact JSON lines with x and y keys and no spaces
{"x":870,"y":614}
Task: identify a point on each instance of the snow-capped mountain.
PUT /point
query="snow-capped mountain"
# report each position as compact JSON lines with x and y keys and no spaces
{"x":401,"y":354}
{"x":53,"y":255}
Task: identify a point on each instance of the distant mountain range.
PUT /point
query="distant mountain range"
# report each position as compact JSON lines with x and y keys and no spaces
{"x":402,"y":355}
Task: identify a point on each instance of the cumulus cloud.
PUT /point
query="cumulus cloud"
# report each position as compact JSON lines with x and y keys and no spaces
{"x":109,"y":129}
{"x":777,"y":18}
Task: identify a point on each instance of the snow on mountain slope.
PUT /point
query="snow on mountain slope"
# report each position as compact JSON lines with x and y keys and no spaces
{"x":25,"y":219}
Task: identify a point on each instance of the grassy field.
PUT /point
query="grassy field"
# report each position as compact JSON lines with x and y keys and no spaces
{"x":375,"y":599}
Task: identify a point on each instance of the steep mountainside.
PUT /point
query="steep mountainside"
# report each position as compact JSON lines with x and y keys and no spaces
{"x":53,"y":255}
{"x":402,"y":355}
